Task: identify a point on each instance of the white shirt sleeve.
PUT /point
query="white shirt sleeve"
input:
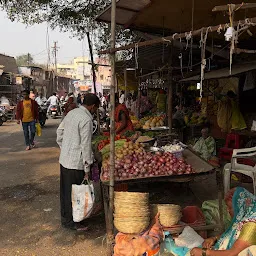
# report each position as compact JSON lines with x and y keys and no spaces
{"x":85,"y":129}
{"x":60,"y":133}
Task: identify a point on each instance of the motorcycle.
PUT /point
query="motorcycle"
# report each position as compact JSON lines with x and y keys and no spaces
{"x":42,"y":114}
{"x":54,"y":111}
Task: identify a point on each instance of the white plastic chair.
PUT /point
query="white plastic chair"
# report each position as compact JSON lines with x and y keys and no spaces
{"x":240,"y":168}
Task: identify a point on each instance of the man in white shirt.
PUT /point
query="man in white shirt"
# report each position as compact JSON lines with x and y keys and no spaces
{"x":54,"y":101}
{"x":74,"y":136}
{"x":40,"y":99}
{"x":121,"y":99}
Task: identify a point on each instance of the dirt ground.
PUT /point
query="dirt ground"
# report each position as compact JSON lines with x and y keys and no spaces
{"x":29,"y":200}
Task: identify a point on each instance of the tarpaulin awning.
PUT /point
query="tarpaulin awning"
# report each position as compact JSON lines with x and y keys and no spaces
{"x":224,"y":72}
{"x":173,"y":16}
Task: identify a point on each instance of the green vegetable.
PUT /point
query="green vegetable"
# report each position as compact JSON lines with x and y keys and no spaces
{"x":129,"y":134}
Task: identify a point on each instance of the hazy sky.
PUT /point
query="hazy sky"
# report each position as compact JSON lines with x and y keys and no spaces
{"x":19,"y":39}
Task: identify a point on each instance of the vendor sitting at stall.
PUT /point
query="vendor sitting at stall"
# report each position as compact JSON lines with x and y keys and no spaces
{"x":122,"y":118}
{"x":205,"y":146}
{"x":241,"y":233}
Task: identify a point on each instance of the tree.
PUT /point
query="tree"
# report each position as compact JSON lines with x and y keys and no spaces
{"x":75,"y":16}
{"x":24,"y":60}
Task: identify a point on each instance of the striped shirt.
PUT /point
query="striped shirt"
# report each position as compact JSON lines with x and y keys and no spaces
{"x":74,"y":136}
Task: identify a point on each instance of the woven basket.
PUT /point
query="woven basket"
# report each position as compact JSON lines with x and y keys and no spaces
{"x":170,"y":214}
{"x":132,"y":213}
{"x":132,"y":196}
{"x":131,"y":227}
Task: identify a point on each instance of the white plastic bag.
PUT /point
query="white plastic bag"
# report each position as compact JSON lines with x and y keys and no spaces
{"x":189,"y":238}
{"x":83,"y":198}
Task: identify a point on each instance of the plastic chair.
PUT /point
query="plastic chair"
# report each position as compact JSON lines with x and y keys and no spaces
{"x":234,"y":166}
{"x":232,"y":142}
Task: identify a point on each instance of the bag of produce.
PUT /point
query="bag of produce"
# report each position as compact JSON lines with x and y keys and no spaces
{"x":83,"y":199}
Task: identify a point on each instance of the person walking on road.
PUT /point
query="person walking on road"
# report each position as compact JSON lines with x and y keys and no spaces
{"x":74,"y":137}
{"x":27,"y":113}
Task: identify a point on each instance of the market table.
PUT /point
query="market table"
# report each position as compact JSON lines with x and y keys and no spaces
{"x":201,"y":168}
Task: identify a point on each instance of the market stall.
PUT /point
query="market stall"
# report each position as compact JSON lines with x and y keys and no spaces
{"x":136,"y":164}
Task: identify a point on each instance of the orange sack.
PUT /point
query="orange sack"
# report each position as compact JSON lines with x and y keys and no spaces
{"x":137,"y":245}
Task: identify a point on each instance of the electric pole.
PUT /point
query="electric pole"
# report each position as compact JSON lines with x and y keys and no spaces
{"x":28,"y":59}
{"x":55,"y":51}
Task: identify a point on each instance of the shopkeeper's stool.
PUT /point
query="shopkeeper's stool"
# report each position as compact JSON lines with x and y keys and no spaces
{"x":232,"y":142}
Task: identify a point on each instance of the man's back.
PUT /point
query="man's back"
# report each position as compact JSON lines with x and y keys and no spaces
{"x":53,"y":100}
{"x":76,"y":139}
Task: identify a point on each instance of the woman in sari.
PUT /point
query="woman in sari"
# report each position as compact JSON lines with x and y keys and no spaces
{"x":122,"y":118}
{"x":242,"y":231}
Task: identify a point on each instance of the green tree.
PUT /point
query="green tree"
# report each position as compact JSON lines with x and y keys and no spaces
{"x":75,"y":16}
{"x":24,"y":60}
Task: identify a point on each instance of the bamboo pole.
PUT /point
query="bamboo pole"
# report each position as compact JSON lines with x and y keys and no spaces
{"x":125,"y":84}
{"x":110,"y":231}
{"x":175,"y":36}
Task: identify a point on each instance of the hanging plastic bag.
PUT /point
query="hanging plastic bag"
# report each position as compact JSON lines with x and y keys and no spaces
{"x":38,"y":130}
{"x":83,"y":198}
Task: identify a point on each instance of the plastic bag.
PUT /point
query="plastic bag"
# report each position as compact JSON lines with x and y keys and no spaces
{"x":189,"y":238}
{"x":83,"y":199}
{"x":168,"y":245}
{"x":38,"y":130}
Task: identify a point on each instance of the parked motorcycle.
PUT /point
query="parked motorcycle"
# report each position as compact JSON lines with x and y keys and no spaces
{"x":3,"y":114}
{"x":42,"y":114}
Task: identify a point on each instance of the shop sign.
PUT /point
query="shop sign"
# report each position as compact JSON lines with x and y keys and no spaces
{"x":18,"y":80}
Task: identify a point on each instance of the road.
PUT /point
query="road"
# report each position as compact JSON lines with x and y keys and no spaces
{"x":29,"y":200}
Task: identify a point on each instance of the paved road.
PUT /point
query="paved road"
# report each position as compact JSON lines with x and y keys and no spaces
{"x":29,"y":200}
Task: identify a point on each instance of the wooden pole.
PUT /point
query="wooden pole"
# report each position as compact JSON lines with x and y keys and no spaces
{"x":125,"y":84}
{"x":93,"y":76}
{"x":222,"y":8}
{"x":92,"y":61}
{"x":170,"y":73}
{"x":110,"y":231}
{"x":175,"y":36}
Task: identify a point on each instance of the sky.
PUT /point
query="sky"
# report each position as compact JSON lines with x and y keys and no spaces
{"x":18,"y":39}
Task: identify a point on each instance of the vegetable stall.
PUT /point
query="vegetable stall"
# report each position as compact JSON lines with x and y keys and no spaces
{"x":140,"y":163}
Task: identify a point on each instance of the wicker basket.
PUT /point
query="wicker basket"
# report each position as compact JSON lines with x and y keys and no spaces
{"x":132,"y":213}
{"x":170,"y":214}
{"x":131,"y":227}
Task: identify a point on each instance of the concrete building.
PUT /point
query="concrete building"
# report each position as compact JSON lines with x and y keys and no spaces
{"x":81,"y":71}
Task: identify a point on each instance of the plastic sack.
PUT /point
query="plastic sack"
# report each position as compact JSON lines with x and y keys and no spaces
{"x":211,"y":212}
{"x":38,"y":130}
{"x":189,"y":238}
{"x":83,"y":198}
{"x":169,"y":246}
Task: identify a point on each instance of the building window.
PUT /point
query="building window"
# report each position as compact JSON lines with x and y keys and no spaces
{"x":101,"y":77}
